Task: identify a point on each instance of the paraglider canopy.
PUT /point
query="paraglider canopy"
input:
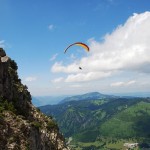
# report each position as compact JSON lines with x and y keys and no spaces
{"x":78,"y":44}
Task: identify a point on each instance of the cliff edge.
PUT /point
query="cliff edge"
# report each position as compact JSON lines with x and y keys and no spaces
{"x":22,"y":126}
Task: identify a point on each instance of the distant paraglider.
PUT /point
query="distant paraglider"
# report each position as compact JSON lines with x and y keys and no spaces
{"x":78,"y":44}
{"x":80,"y":68}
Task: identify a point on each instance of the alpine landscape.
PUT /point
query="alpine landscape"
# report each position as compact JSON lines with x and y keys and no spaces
{"x":97,"y":121}
{"x":75,"y":75}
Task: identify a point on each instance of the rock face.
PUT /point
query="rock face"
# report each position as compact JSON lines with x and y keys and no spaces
{"x":22,"y":126}
{"x":2,"y":52}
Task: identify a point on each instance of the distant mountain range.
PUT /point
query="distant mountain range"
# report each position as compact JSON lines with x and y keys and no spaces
{"x":46,"y":100}
{"x":87,"y":96}
{"x":102,"y":121}
{"x":52,"y":100}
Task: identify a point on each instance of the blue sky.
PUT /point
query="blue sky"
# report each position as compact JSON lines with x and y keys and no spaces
{"x":35,"y":33}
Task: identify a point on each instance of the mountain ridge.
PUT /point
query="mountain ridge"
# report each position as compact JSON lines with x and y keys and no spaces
{"x":53,"y":100}
{"x":87,"y":96}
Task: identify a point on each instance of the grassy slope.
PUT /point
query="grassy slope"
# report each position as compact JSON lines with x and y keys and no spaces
{"x":130,"y":125}
{"x":132,"y":122}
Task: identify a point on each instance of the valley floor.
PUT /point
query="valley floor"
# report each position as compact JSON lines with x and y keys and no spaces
{"x":107,"y":144}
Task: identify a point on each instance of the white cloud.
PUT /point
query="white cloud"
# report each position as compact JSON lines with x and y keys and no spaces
{"x":53,"y":57}
{"x":58,"y":80}
{"x":51,"y":27}
{"x":58,"y":67}
{"x":126,"y":49}
{"x":82,"y":77}
{"x":30,"y":79}
{"x":119,"y":84}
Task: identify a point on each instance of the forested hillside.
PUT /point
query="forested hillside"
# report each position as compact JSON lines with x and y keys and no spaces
{"x":105,"y":122}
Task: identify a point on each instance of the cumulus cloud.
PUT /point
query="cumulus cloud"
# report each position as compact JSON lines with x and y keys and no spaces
{"x":82,"y":77}
{"x":127,"y":48}
{"x":58,"y":67}
{"x":58,"y":80}
{"x":30,"y":79}
{"x":118,"y":84}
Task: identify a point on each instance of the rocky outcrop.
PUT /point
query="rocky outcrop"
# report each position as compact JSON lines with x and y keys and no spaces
{"x":22,"y":126}
{"x":2,"y":52}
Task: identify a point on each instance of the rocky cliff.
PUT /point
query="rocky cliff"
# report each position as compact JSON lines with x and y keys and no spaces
{"x":22,"y":126}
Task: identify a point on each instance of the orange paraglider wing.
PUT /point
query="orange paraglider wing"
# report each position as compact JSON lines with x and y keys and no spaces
{"x":78,"y":44}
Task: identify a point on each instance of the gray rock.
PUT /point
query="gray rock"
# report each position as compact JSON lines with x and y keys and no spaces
{"x":4,"y":59}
